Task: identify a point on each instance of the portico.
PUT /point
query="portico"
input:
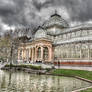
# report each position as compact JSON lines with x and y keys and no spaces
{"x":38,"y":50}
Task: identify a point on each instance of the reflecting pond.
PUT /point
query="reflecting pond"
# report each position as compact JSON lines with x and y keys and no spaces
{"x":24,"y":82}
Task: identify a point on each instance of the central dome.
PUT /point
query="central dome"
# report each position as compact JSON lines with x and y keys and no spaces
{"x":56,"y":19}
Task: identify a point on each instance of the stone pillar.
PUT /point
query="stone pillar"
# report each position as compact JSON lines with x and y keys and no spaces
{"x":50,"y":56}
{"x":67,"y":51}
{"x":32,"y":54}
{"x":80,"y":51}
{"x":35,"y":53}
{"x":25,"y":54}
{"x":42,"y":53}
{"x":88,"y":53}
{"x":22,"y":54}
{"x":80,"y":54}
{"x":18,"y":54}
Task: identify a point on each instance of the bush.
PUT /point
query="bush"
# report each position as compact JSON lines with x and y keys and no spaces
{"x":25,"y":66}
{"x":35,"y":67}
{"x":48,"y":69}
{"x":7,"y":65}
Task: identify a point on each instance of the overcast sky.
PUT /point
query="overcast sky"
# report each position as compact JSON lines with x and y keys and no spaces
{"x":18,"y":13}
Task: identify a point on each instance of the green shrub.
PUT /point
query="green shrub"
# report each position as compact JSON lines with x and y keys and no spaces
{"x":25,"y":66}
{"x":48,"y":69}
{"x":35,"y":67}
{"x":7,"y":65}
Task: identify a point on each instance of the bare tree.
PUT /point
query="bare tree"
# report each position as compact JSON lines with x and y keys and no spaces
{"x":10,"y":42}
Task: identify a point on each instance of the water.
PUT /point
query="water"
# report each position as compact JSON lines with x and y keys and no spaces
{"x":24,"y":82}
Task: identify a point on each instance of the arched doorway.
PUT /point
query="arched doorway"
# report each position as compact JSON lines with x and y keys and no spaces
{"x":33,"y":53}
{"x":45,"y":53}
{"x":39,"y":52}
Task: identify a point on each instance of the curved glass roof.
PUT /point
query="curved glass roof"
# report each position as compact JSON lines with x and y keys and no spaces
{"x":56,"y":19}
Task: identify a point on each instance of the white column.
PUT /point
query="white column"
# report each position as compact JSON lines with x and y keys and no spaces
{"x":88,"y":53}
{"x":35,"y":53}
{"x":18,"y":54}
{"x":22,"y":54}
{"x":32,"y":54}
{"x":80,"y":53}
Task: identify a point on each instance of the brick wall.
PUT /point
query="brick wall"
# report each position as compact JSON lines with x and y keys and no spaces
{"x":79,"y":63}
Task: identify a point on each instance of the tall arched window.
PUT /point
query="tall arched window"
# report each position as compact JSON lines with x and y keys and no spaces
{"x":84,"y":51}
{"x":45,"y":53}
{"x":27,"y":54}
{"x":20,"y":54}
{"x":39,"y":52}
{"x":33,"y":52}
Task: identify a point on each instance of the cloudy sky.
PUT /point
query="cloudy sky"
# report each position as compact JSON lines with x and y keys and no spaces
{"x":31,"y":13}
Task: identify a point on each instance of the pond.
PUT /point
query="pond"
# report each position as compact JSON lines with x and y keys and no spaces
{"x":24,"y":82}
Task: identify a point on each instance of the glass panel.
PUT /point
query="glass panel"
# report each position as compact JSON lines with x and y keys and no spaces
{"x":45,"y":53}
{"x":20,"y":54}
{"x":78,"y":33}
{"x":39,"y":52}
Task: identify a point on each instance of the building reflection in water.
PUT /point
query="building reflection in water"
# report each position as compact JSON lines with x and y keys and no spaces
{"x":24,"y":82}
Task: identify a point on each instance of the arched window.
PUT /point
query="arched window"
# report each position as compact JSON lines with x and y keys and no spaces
{"x":39,"y":52}
{"x":84,"y":51}
{"x":27,"y":54}
{"x":33,"y":52}
{"x":20,"y":54}
{"x":45,"y":53}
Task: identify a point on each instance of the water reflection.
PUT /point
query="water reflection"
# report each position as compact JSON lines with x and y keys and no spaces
{"x":24,"y":82}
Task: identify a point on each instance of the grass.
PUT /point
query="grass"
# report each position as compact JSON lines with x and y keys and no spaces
{"x":80,"y":73}
{"x":69,"y":72}
{"x":88,"y":90}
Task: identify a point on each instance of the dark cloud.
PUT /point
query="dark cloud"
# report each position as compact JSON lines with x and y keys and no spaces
{"x":79,"y":10}
{"x":34,"y":12}
{"x":39,"y":5}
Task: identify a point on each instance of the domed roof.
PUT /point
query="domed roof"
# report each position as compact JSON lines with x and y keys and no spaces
{"x":55,"y":19}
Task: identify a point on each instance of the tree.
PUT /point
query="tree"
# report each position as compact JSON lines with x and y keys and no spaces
{"x":10,"y":42}
{"x":4,"y":47}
